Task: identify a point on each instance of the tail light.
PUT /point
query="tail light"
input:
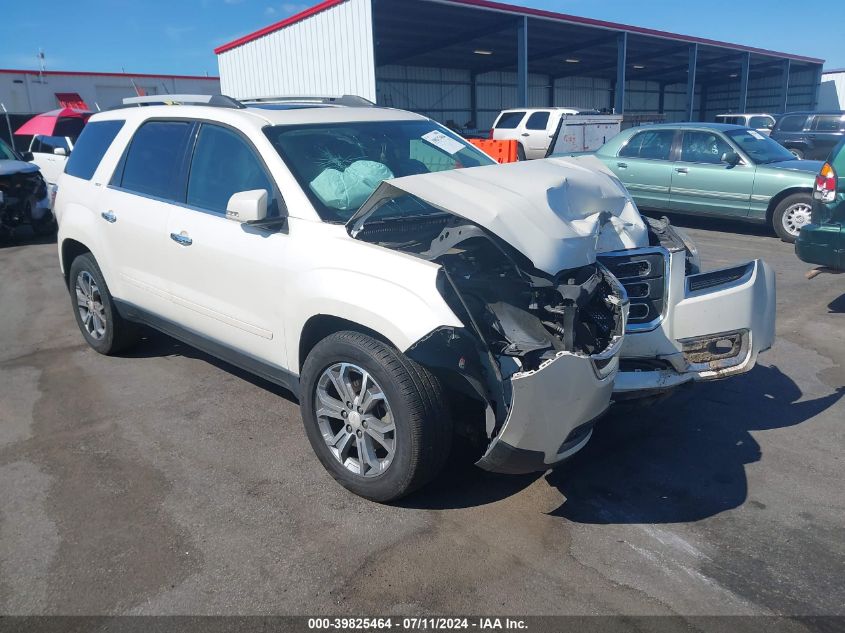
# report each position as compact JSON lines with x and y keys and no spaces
{"x":825,"y":184}
{"x":490,"y":136}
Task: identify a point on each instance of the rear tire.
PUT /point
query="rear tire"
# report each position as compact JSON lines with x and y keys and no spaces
{"x":96,"y":315}
{"x":791,"y":214}
{"x":401,"y":397}
{"x":799,"y":154}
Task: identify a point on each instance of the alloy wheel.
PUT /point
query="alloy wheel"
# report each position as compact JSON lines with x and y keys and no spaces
{"x":796,"y":216}
{"x":89,"y":302}
{"x":355,"y":419}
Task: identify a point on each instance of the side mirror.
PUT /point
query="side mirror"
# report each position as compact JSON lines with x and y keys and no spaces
{"x":247,"y":206}
{"x":60,"y":151}
{"x":731,"y":158}
{"x":27,"y":156}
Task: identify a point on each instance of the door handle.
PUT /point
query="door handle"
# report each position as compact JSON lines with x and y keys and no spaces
{"x":525,"y":134}
{"x":109,"y":216}
{"x":622,"y":165}
{"x":182,"y":240}
{"x":682,"y":170}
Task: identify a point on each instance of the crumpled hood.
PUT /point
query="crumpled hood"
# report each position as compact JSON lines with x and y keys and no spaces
{"x":558,"y":212}
{"x":9,"y":167}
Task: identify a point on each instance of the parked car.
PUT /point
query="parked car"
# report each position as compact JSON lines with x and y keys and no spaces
{"x":534,"y":128}
{"x":810,"y":135}
{"x":823,"y":241}
{"x":759,"y":121}
{"x":23,"y":194}
{"x":387,"y":272}
{"x":50,"y":154}
{"x":714,"y":170}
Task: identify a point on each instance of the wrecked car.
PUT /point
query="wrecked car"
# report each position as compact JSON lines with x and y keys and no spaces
{"x":403,"y":286}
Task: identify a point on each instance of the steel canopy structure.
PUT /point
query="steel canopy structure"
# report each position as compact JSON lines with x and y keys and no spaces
{"x":534,"y":58}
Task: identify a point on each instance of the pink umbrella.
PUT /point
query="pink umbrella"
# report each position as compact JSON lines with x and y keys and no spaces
{"x":61,"y":122}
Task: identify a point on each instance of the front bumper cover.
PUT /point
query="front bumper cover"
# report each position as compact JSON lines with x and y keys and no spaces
{"x":701,"y":311}
{"x":553,"y":409}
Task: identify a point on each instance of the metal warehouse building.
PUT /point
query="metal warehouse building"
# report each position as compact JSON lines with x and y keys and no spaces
{"x":465,"y":60}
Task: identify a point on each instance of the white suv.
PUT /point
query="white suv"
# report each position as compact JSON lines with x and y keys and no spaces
{"x":401,"y":284}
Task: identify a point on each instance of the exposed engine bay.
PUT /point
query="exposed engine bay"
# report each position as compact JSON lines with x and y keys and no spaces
{"x":521,"y":315}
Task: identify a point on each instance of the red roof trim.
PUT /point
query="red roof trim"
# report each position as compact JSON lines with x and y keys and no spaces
{"x":539,"y":13}
{"x":327,"y":4}
{"x":77,"y":73}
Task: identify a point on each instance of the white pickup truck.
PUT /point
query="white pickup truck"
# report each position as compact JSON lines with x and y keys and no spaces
{"x":569,"y":129}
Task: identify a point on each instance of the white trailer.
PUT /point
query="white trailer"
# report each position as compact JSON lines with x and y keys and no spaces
{"x":584,"y":133}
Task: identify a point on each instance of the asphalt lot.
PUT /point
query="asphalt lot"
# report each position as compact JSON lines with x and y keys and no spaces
{"x":168,"y":482}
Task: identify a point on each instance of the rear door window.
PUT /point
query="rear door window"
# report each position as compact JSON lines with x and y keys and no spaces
{"x":651,"y":144}
{"x":89,"y":150}
{"x":538,"y":121}
{"x":509,"y":120}
{"x":828,"y":123}
{"x":154,"y":162}
{"x":223,"y":165}
{"x":792,"y":123}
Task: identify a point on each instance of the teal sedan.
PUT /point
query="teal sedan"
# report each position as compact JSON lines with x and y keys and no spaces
{"x":714,"y":169}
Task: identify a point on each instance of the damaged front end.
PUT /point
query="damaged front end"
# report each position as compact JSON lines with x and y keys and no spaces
{"x":538,"y":352}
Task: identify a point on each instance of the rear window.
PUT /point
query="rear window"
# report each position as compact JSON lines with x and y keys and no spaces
{"x":509,"y":120}
{"x":760,"y":122}
{"x":92,"y":144}
{"x":794,"y":123}
{"x":153,"y":164}
{"x":538,"y":121}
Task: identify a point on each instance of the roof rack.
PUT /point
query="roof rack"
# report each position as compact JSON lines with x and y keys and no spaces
{"x":350,"y":101}
{"x":216,"y":101}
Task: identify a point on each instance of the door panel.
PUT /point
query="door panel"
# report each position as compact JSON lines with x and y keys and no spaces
{"x":134,"y":231}
{"x":702,"y":183}
{"x":536,"y":135}
{"x":229,"y":281}
{"x":645,"y":168}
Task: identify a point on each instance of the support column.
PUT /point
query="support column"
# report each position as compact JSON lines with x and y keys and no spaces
{"x":551,"y":81}
{"x":784,"y":84}
{"x":522,"y":63}
{"x":621,"y":63}
{"x":473,"y":98}
{"x":693,"y":60}
{"x":743,"y":82}
{"x":817,"y":86}
{"x":661,"y":99}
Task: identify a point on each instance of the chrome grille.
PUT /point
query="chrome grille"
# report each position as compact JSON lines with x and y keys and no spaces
{"x":643,"y":275}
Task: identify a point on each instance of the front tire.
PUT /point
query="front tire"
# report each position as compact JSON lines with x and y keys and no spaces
{"x":98,"y":320}
{"x":376,"y":419}
{"x":791,"y":214}
{"x":799,"y":154}
{"x":520,"y":152}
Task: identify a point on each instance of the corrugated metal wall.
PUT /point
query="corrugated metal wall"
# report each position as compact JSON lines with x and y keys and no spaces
{"x":832,"y":91}
{"x":764,"y":94}
{"x":446,"y":94}
{"x":330,"y":53}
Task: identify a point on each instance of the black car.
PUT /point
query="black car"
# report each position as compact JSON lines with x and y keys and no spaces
{"x":23,"y":193}
{"x":810,"y":135}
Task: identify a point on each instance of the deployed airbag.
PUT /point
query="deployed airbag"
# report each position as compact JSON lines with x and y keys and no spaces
{"x":348,"y":189}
